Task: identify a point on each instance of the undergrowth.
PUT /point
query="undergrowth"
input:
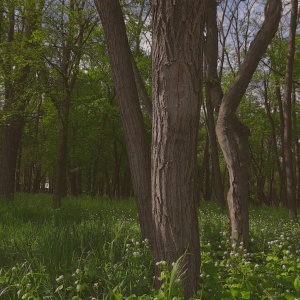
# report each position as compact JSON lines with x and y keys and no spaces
{"x":92,"y":249}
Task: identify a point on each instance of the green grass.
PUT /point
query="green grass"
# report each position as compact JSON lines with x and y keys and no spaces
{"x":92,"y":249}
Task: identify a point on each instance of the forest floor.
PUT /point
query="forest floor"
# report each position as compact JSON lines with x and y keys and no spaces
{"x":92,"y":249}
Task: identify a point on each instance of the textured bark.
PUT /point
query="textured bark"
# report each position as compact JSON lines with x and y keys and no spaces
{"x":233,"y":135}
{"x":176,"y":74}
{"x":287,"y":134}
{"x":131,"y":115}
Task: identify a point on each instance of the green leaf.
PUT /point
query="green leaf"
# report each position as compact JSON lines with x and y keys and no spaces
{"x":234,"y":292}
{"x":289,"y":297}
{"x":246,"y":294}
{"x":297,"y":284}
{"x":272,"y":258}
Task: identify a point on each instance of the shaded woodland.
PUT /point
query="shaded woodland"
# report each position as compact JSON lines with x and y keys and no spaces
{"x":171,"y":104}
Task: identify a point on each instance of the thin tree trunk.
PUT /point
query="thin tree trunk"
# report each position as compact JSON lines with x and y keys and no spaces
{"x":127,"y":95}
{"x":297,"y":151}
{"x":274,"y":138}
{"x":60,"y":185}
{"x":11,"y":136}
{"x":281,"y":117}
{"x":203,"y":168}
{"x":214,"y":95}
{"x":287,"y":145}
{"x":217,"y":177}
{"x":145,"y":99}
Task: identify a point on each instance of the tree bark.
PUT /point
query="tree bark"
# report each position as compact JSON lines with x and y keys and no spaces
{"x":287,"y":134}
{"x":128,"y":100}
{"x":176,"y":76}
{"x":233,"y":135}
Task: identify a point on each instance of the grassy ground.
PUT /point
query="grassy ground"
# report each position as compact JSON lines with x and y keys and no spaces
{"x":91,"y":249}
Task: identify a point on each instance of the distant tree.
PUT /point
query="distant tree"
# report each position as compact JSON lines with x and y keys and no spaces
{"x":20,"y":65}
{"x":69,"y":24}
{"x":287,"y":134}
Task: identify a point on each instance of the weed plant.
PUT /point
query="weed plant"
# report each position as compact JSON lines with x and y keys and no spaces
{"x":92,"y":249}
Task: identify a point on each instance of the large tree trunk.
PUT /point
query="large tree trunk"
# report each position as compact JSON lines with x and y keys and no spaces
{"x":127,"y":95}
{"x":177,"y":68}
{"x":233,"y":135}
{"x":287,"y":134}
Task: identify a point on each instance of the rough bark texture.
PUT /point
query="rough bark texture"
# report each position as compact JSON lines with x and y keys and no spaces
{"x":127,"y":95}
{"x":233,"y":135}
{"x":287,"y":134}
{"x":176,"y":75}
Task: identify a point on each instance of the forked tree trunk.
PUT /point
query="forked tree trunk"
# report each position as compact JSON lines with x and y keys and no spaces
{"x":128,"y":100}
{"x":233,"y":135}
{"x":176,"y":75}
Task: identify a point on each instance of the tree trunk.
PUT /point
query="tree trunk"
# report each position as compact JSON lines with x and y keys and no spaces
{"x":273,"y":137}
{"x":281,"y":117}
{"x":203,"y":169}
{"x":128,"y":100}
{"x":233,"y":138}
{"x":297,"y":150}
{"x":214,"y":96}
{"x":60,"y":185}
{"x":287,"y":135}
{"x":11,"y":136}
{"x":176,"y":77}
{"x":233,"y":135}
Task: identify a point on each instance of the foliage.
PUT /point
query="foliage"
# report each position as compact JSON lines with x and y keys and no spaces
{"x":91,"y":249}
